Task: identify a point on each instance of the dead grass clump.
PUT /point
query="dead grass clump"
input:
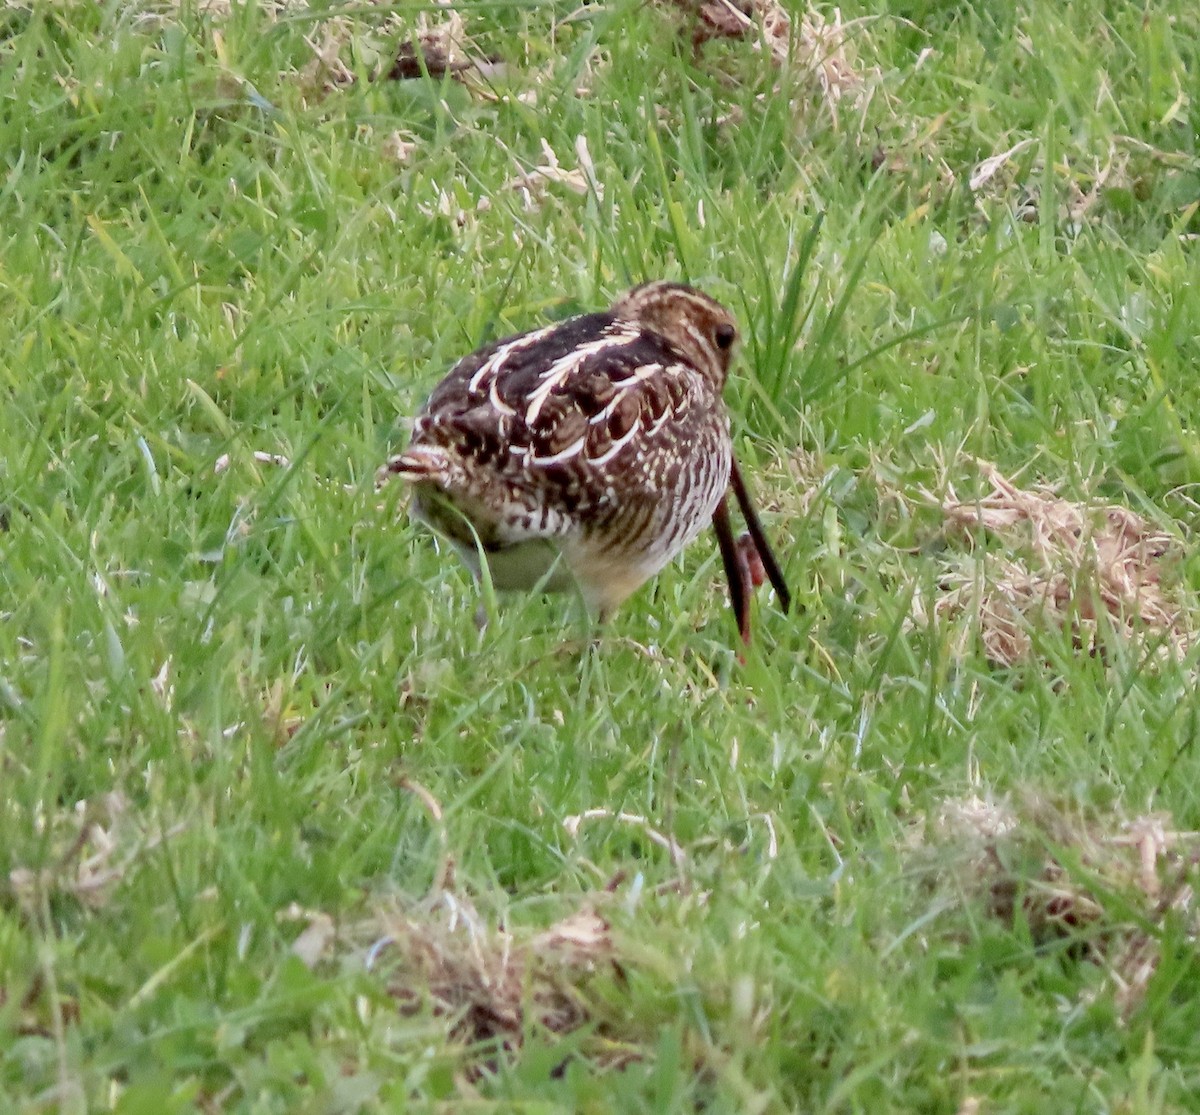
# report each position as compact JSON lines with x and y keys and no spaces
{"x":533,"y":184}
{"x":437,"y":45}
{"x":1087,"y":569}
{"x":105,"y":843}
{"x":487,"y":983}
{"x":1006,"y":179}
{"x":1107,"y":886}
{"x":823,"y":47}
{"x":1127,"y":168}
{"x":437,"y":48}
{"x":326,"y":71}
{"x":990,"y":167}
{"x":820,"y":46}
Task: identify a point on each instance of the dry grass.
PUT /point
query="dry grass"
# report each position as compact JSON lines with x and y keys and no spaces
{"x":105,"y":841}
{"x":1091,"y":569}
{"x":486,"y":983}
{"x":394,"y":50}
{"x":820,"y":46}
{"x":532,"y":184}
{"x":1107,"y":886}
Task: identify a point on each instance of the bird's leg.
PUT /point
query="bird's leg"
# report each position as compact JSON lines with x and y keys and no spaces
{"x":751,"y":559}
{"x":739,"y":585}
{"x":759,"y":537}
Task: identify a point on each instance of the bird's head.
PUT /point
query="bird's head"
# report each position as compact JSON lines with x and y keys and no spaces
{"x":699,"y":328}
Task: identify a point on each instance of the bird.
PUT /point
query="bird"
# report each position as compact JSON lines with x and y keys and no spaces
{"x":588,"y":453}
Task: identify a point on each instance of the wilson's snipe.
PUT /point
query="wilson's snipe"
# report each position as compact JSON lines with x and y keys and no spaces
{"x":590,"y":452}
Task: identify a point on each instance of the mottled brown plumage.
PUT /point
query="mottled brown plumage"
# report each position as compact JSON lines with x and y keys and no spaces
{"x":589,"y":452}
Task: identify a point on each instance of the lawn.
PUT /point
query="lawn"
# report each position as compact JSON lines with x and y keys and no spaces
{"x":282,"y":830}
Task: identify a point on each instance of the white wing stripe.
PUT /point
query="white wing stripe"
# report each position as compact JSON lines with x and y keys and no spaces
{"x":558,"y":372}
{"x":643,"y":372}
{"x":494,"y":362}
{"x":614,"y":449}
{"x":563,"y":455}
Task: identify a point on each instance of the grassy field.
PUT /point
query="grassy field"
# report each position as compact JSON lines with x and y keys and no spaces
{"x":282,"y":831}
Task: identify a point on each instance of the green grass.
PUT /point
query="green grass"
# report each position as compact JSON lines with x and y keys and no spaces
{"x":244,"y":672}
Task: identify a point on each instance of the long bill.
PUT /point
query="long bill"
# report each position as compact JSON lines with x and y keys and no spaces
{"x":759,"y":538}
{"x":739,"y":583}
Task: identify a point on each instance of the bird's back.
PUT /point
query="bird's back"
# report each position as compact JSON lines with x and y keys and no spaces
{"x":594,"y":433}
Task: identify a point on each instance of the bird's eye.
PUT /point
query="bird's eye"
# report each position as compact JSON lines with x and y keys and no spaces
{"x":725,"y":335}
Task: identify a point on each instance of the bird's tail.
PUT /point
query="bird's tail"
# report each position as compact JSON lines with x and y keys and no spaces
{"x":418,"y":464}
